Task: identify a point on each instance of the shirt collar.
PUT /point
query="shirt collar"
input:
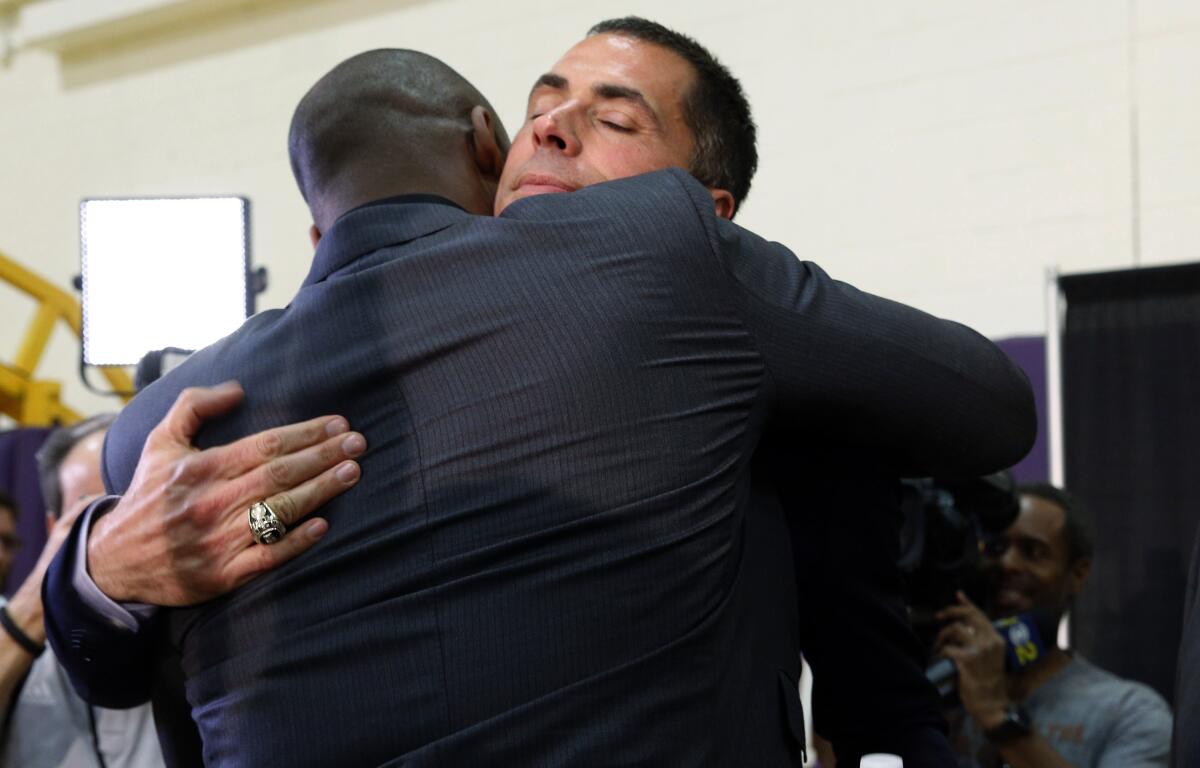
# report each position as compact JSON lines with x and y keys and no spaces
{"x":379,"y":224}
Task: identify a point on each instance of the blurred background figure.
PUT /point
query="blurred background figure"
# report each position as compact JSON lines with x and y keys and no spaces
{"x":1025,"y":701}
{"x":47,"y":724}
{"x":10,"y":542}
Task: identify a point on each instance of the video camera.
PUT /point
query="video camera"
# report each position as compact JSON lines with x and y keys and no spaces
{"x":946,"y":525}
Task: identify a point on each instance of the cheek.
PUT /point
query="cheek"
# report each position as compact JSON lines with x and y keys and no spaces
{"x":1049,"y":578}
{"x":623,"y":160}
{"x":519,"y":151}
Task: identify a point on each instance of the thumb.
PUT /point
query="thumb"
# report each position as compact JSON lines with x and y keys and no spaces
{"x":195,"y":405}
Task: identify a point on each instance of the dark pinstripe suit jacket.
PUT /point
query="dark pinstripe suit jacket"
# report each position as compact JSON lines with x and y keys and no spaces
{"x":549,"y":559}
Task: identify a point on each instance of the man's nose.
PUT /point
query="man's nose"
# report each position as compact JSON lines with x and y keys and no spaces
{"x":1010,"y":560}
{"x":555,"y":129}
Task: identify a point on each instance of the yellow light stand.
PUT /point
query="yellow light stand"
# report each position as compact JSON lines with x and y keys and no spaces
{"x":32,"y":402}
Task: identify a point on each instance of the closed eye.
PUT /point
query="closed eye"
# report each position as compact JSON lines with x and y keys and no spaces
{"x":616,"y":126}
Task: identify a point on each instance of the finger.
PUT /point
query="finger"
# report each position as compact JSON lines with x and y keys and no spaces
{"x":195,"y":405}
{"x":964,"y":600}
{"x":975,"y":618}
{"x":956,"y":634}
{"x":295,"y":504}
{"x":965,"y":613}
{"x":295,"y":471}
{"x":252,"y":561}
{"x":944,"y":636}
{"x":953,"y":613}
{"x":250,"y":452}
{"x":956,"y":655}
{"x":298,"y":503}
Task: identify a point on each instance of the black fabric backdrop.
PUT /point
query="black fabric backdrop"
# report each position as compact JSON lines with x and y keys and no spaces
{"x":18,"y":477}
{"x":1131,"y":365}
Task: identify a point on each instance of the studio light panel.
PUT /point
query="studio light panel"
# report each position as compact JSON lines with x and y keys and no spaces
{"x":161,"y":273}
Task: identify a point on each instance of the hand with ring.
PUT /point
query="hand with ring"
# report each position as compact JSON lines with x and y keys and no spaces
{"x":977,"y":650}
{"x":180,"y":534}
{"x":265,"y":525}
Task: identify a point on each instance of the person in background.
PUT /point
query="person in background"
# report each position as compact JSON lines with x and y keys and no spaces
{"x":10,"y":542}
{"x":49,"y":725}
{"x":1060,"y":710}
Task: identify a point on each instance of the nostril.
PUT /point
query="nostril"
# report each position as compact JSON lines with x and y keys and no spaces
{"x":558,"y":142}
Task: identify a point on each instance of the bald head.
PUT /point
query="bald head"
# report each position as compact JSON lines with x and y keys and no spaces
{"x":390,"y":122}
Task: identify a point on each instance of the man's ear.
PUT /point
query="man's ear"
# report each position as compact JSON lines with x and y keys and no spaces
{"x":489,"y":157}
{"x":1077,"y":575}
{"x":723,"y":200}
{"x":314,"y":234}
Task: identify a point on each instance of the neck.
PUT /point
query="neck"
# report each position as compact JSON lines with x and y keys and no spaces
{"x":1028,"y":680}
{"x":439,"y":175}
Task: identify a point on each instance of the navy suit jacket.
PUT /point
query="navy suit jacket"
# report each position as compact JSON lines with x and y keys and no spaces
{"x":551,"y":558}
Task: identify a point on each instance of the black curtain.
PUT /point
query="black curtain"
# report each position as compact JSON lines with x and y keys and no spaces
{"x":1131,"y":410}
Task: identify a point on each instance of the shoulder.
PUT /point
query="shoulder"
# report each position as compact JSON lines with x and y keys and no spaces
{"x":666,"y":198}
{"x":1131,"y":707}
{"x":1118,"y":690}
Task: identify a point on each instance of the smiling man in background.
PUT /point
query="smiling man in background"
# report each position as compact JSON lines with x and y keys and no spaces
{"x":1060,"y":711}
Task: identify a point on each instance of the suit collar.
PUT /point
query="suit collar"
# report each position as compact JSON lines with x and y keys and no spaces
{"x":380,"y":224}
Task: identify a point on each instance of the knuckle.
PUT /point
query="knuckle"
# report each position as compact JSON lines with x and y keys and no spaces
{"x":212,"y":548}
{"x":279,"y":472}
{"x":332,"y":453}
{"x":186,"y":509}
{"x":313,"y":433}
{"x":187,"y":398}
{"x":269,"y":444}
{"x":285,"y":507}
{"x":331,"y":449}
{"x":186,"y":471}
{"x":190,"y":507}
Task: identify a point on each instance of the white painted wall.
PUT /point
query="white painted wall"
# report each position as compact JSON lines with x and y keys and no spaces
{"x":940,"y":152}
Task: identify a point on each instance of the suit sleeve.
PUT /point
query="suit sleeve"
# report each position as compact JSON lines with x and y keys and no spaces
{"x":925,"y":396}
{"x":104,"y":660}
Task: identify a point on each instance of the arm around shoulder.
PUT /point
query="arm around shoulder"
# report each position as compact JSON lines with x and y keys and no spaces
{"x":927,"y":396}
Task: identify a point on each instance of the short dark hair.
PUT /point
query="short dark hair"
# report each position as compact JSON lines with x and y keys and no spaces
{"x":381,"y":108}
{"x":1076,"y":530}
{"x":50,"y":456}
{"x":715,"y":108}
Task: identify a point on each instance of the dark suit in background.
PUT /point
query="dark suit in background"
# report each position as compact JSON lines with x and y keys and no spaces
{"x":550,"y":559}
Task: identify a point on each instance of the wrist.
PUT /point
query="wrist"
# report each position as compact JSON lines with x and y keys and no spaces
{"x":1015,"y":727}
{"x":25,"y":610}
{"x":99,"y":549}
{"x":30,"y":645}
{"x":991,"y":716}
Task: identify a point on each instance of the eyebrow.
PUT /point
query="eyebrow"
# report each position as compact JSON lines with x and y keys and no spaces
{"x":602,"y":90}
{"x":550,"y":80}
{"x":1027,"y":539}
